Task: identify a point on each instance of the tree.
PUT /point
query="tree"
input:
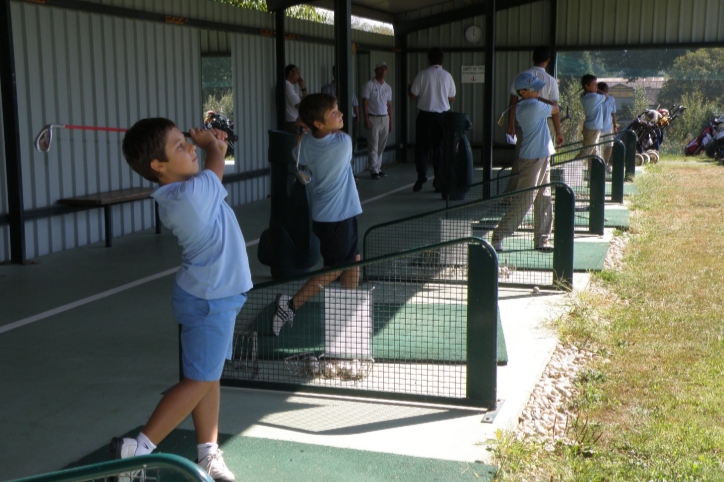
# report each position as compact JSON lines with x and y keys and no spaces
{"x":304,"y":12}
{"x":639,"y":104}
{"x":700,"y":70}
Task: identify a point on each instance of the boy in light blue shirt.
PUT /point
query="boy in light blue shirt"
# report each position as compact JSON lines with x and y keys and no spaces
{"x":592,"y":101}
{"x":531,"y":113}
{"x":327,"y":152}
{"x":609,"y":124}
{"x":210,"y":286}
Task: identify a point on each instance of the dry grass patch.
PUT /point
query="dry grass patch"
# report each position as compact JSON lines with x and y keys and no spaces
{"x":659,"y":324}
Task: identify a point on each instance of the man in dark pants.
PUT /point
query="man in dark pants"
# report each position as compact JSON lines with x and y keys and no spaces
{"x":434,"y":89}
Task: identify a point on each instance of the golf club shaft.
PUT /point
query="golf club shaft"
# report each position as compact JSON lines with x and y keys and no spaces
{"x":231,"y":138}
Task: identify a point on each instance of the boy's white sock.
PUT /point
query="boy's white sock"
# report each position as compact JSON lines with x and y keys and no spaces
{"x":145,"y":446}
{"x":206,"y":449}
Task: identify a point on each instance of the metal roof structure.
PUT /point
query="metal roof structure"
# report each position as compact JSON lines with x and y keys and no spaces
{"x":108,"y":40}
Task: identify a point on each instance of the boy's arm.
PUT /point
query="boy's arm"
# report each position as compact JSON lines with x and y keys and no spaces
{"x":213,"y":141}
{"x":554,"y":105}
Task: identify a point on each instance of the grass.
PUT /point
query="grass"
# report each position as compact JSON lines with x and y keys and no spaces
{"x":655,"y":399}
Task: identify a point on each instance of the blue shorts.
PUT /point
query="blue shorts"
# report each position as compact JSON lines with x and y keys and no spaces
{"x":207,"y":330}
{"x":337,"y":241}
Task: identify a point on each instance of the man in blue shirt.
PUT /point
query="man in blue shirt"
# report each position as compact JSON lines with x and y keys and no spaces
{"x":531,"y":113}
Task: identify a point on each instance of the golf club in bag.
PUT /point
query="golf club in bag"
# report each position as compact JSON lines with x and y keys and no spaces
{"x":44,"y":139}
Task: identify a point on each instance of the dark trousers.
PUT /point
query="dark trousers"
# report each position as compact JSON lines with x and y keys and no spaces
{"x":428,"y":133}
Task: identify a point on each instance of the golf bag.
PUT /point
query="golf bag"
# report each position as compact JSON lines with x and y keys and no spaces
{"x":456,"y":169}
{"x":713,"y":131}
{"x":219,"y":121}
{"x":650,"y":127}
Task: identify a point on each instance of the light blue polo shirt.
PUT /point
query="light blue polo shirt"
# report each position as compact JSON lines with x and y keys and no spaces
{"x":214,"y":263}
{"x":333,"y":192}
{"x":593,"y":109}
{"x":532,"y":116}
{"x":609,"y":107}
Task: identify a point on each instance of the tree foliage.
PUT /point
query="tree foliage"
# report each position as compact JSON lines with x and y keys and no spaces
{"x":304,"y":12}
{"x":701,"y":70}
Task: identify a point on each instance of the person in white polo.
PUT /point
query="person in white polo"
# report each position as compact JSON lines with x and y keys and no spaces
{"x":379,"y":120}
{"x":293,"y":98}
{"x":434,"y":89}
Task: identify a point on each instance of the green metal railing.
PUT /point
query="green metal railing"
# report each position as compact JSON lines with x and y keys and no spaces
{"x":520,"y":263}
{"x":156,"y":466}
{"x":418,"y":330}
{"x":585,"y":175}
{"x":614,"y":190}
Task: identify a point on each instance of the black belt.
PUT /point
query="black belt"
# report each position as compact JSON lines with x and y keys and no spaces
{"x":373,"y":115}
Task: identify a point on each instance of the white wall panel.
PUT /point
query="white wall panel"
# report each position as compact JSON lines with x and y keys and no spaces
{"x":636,"y":22}
{"x":88,"y":69}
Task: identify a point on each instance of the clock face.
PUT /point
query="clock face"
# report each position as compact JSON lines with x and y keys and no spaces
{"x":473,"y":34}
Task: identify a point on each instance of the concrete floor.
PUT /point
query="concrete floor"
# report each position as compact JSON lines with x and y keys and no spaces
{"x":88,"y":345}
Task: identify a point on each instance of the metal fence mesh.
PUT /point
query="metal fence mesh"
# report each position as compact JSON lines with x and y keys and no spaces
{"x":400,"y":333}
{"x":519,"y":220}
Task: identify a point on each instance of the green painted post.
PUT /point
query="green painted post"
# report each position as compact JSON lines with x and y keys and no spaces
{"x":598,"y":195}
{"x":563,"y":227}
{"x":482,"y":326}
{"x":617,"y":176}
{"x":629,"y":140}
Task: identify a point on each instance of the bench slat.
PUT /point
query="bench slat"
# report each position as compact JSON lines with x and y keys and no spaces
{"x":110,"y":197}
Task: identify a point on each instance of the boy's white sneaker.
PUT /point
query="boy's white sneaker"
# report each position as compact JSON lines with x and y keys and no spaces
{"x":283,"y":313}
{"x":215,"y":466}
{"x":123,"y":448}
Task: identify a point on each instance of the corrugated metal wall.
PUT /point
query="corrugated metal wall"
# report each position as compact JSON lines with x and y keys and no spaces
{"x":92,"y":69}
{"x":78,"y":68}
{"x":534,"y":22}
{"x":628,"y":22}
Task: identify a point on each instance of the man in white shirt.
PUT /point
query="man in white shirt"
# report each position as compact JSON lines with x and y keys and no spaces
{"x":434,"y":89}
{"x":293,"y":98}
{"x":379,"y":120}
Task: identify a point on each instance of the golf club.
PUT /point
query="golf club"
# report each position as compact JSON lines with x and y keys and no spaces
{"x":500,"y":120}
{"x":302,"y":177}
{"x":568,"y":115}
{"x":45,"y":138}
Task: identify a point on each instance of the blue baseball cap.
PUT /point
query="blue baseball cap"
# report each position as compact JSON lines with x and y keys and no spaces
{"x":528,"y":81}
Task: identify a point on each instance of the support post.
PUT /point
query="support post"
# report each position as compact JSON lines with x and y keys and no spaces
{"x":486,"y":157}
{"x":401,"y":94}
{"x":552,"y":42}
{"x":281,"y":63}
{"x":343,"y":57}
{"x":11,"y":132}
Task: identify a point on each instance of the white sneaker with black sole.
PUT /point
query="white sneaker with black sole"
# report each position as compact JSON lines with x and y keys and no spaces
{"x":283,"y":313}
{"x":123,"y":448}
{"x":215,"y":466}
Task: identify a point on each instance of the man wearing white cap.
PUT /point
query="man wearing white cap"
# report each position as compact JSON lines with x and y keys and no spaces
{"x":379,"y":120}
{"x":434,"y":89}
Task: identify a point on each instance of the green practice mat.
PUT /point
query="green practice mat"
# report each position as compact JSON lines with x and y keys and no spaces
{"x":612,"y":218}
{"x":262,"y":460}
{"x":402,"y":331}
{"x":630,"y":189}
{"x":587,"y":255}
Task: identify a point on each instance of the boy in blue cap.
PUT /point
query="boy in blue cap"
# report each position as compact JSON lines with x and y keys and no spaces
{"x":531,"y":113}
{"x":210,"y":286}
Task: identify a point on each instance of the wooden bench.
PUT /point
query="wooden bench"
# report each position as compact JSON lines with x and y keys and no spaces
{"x":107,"y":199}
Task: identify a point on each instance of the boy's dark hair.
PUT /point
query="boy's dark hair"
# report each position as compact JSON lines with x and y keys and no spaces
{"x":288,"y":70}
{"x":144,"y":142}
{"x":314,"y":106}
{"x":587,"y":79}
{"x":541,"y":54}
{"x":435,"y":56}
{"x":602,"y":86}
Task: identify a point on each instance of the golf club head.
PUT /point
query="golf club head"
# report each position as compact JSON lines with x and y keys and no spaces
{"x":44,"y":139}
{"x":500,"y":121}
{"x":302,"y":177}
